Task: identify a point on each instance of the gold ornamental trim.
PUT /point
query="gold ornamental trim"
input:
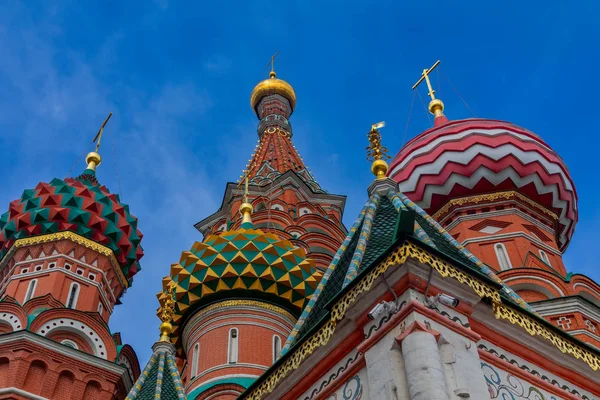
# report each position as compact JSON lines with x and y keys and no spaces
{"x":507,"y":195}
{"x":534,"y":327}
{"x":75,"y":238}
{"x":322,"y":336}
{"x":247,"y":303}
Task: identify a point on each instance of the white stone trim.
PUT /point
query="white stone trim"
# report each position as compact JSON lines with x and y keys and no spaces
{"x":24,"y":335}
{"x":501,"y":252}
{"x":535,"y":278}
{"x":588,"y":287}
{"x":567,"y":305}
{"x":190,"y":389}
{"x":560,"y":381}
{"x":199,"y":333}
{"x":195,"y":360}
{"x":233,"y":345}
{"x":71,"y":343}
{"x":77,"y":287}
{"x":587,"y":333}
{"x":512,"y":235}
{"x":16,"y":323}
{"x":21,"y":392}
{"x":497,"y":213}
{"x":80,"y":279}
{"x":30,"y":292}
{"x":80,"y":328}
{"x":73,"y":260}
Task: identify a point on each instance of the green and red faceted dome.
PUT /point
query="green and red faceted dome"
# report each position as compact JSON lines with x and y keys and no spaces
{"x":478,"y":156}
{"x":80,"y":205}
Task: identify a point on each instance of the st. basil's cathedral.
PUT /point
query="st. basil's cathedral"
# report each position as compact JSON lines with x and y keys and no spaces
{"x":450,"y":284}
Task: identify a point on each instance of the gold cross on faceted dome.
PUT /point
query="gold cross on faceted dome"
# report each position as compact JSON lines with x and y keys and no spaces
{"x":93,"y":159}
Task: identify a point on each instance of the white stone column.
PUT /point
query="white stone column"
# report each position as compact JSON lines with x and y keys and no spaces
{"x":424,"y":370}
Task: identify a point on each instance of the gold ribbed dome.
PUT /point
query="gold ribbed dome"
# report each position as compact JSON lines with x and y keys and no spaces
{"x":271,"y":86}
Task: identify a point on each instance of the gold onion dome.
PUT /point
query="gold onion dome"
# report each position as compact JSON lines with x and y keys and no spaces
{"x":241,"y":263}
{"x":272,"y":86}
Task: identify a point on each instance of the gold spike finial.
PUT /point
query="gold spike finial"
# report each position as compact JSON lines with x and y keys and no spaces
{"x":93,"y":159}
{"x":436,"y":106}
{"x":376,"y":152}
{"x":166,"y":311}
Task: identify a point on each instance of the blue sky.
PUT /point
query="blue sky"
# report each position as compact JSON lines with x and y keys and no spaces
{"x":178,"y":76}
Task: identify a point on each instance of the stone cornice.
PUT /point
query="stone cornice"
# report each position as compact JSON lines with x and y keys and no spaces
{"x":26,"y":336}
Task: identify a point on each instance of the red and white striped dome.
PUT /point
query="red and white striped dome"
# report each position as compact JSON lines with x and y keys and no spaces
{"x":475,"y":156}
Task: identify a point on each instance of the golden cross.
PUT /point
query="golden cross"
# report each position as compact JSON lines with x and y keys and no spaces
{"x":272,"y":62}
{"x":425,"y":75}
{"x":98,"y":136}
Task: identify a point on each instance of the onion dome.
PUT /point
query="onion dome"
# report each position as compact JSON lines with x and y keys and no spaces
{"x":80,"y":205}
{"x":272,"y":86}
{"x":477,"y":156}
{"x":242,"y":263}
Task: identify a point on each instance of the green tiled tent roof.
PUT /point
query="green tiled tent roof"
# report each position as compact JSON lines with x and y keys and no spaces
{"x":370,"y":236}
{"x":160,"y":379}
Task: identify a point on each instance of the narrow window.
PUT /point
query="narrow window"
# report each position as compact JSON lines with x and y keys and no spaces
{"x":73,"y":295}
{"x":544,"y":257}
{"x":233,"y":346}
{"x":30,"y":290}
{"x":502,"y":255}
{"x":276,"y":347}
{"x":195,"y":360}
{"x":100,"y":308}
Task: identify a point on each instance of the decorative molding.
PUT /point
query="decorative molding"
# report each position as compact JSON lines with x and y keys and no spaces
{"x":534,"y":372}
{"x":75,"y":238}
{"x":334,"y":375}
{"x":507,"y":195}
{"x":21,"y":392}
{"x":495,"y":238}
{"x":534,"y":327}
{"x":321,"y":337}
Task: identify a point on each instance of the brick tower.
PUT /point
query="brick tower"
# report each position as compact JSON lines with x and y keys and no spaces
{"x":287,"y":199}
{"x":68,"y":251}
{"x":506,"y":196}
{"x":239,"y":292}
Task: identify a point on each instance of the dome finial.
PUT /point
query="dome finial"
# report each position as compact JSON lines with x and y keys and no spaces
{"x":272,"y":74}
{"x":246,"y":208}
{"x":376,"y":152}
{"x":93,"y":159}
{"x":166,"y":311}
{"x":436,"y":106}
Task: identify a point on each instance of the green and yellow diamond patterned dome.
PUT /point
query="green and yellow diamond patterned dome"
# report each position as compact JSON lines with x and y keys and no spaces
{"x":243,"y":263}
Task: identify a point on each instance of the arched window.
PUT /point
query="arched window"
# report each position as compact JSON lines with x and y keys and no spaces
{"x":195,"y":359}
{"x":100,"y":308}
{"x":276,"y":347}
{"x":544,"y":257}
{"x":232,"y":353}
{"x":30,"y":290}
{"x":73,"y":295}
{"x":502,"y":254}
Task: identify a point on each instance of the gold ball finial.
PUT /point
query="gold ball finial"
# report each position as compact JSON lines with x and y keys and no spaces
{"x":93,"y":159}
{"x":436,"y":107}
{"x":379,"y":168}
{"x":246,"y":211}
{"x":272,"y":75}
{"x":165,"y":330}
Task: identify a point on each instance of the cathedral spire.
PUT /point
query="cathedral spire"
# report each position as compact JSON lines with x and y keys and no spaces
{"x":436,"y":106}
